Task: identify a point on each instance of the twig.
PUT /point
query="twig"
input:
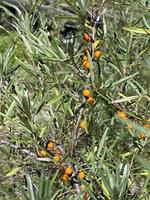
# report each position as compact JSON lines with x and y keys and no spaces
{"x":2,"y":143}
{"x":75,"y":132}
{"x":100,"y":12}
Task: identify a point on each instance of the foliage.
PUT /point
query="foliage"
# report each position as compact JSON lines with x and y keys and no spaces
{"x":42,"y":102}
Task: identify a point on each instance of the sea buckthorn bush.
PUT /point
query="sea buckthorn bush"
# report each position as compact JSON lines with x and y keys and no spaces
{"x":75,"y":100}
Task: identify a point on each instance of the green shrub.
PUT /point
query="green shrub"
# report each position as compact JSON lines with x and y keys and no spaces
{"x":75,"y":123}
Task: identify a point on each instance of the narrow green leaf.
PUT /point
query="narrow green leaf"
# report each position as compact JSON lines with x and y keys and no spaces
{"x":124,"y":79}
{"x":30,"y":187}
{"x":43,"y":131}
{"x":13,"y":171}
{"x":7,"y":57}
{"x":24,"y":121}
{"x":125,"y":99}
{"x":105,"y":188}
{"x":124,"y":180}
{"x":101,"y":145}
{"x":59,"y":52}
{"x":26,"y":67}
{"x":54,"y":100}
{"x":11,"y":108}
{"x":40,"y":107}
{"x":26,"y":106}
{"x":8,"y":12}
{"x":137,"y":30}
{"x":41,"y":186}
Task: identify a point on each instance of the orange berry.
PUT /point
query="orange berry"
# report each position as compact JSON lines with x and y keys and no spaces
{"x":98,"y":54}
{"x":147,"y":126}
{"x":42,"y":153}
{"x":69,"y":170}
{"x":142,"y":136}
{"x":57,"y":157}
{"x":122,"y":115}
{"x":90,"y":100}
{"x":87,"y":65}
{"x":129,"y":126}
{"x":81,"y":175}
{"x":50,"y":145}
{"x":87,"y":37}
{"x":86,"y":93}
{"x":65,"y":177}
{"x":85,"y":58}
{"x":85,"y":62}
{"x":82,"y":125}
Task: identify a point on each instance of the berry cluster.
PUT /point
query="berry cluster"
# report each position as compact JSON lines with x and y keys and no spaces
{"x":89,"y":98}
{"x":68,"y":172}
{"x":53,"y":149}
{"x":124,"y":116}
{"x":97,"y":53}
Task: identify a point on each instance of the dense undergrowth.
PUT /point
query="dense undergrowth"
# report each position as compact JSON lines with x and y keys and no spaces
{"x":74,"y":101}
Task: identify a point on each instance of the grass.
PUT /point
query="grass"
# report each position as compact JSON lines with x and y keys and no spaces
{"x":42,"y":83}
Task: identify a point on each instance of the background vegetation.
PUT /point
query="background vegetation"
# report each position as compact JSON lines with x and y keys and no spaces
{"x":42,"y":79}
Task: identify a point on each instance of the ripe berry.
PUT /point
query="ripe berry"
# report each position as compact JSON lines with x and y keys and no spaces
{"x":81,"y":175}
{"x":122,"y":115}
{"x":86,"y":93}
{"x":82,"y":125}
{"x":147,"y":126}
{"x":65,"y":177}
{"x":69,"y":170}
{"x":50,"y":145}
{"x":85,"y":62}
{"x":142,"y":136}
{"x":86,"y":65}
{"x":42,"y":153}
{"x":85,"y":58}
{"x":90,"y":100}
{"x":57,"y":157}
{"x":129,"y":126}
{"x":98,"y":54}
{"x":87,"y":37}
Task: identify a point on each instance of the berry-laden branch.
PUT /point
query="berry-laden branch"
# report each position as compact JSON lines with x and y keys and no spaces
{"x":87,"y":97}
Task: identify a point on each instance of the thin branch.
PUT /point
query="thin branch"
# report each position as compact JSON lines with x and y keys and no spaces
{"x":76,"y":129}
{"x":75,"y":132}
{"x":2,"y":143}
